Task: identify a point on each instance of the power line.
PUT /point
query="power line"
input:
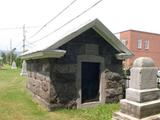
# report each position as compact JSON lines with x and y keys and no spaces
{"x":15,"y":28}
{"x":69,"y":21}
{"x":24,"y":43}
{"x":10,"y":44}
{"x":53,"y":18}
{"x":19,"y":44}
{"x":30,"y":44}
{"x":20,"y":28}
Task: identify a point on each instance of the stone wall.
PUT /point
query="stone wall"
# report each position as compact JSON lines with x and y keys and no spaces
{"x":54,"y":81}
{"x":113,"y":86}
{"x":51,"y":89}
{"x":63,"y":80}
{"x":39,"y":78}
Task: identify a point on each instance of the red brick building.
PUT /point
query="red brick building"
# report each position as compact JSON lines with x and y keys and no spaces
{"x":142,"y":44}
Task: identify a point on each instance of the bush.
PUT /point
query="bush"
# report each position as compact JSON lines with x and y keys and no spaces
{"x":19,"y":62}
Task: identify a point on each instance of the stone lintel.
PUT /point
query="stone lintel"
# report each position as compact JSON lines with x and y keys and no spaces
{"x":91,"y":49}
{"x":140,"y":110}
{"x":142,"y":95}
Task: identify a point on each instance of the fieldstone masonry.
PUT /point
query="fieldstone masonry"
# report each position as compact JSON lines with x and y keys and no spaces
{"x":142,"y":97}
{"x":113,"y":86}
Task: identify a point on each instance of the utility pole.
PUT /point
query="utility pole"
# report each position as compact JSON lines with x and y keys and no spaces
{"x":24,"y":65}
{"x":10,"y":54}
{"x":24,"y":38}
{"x":10,"y":44}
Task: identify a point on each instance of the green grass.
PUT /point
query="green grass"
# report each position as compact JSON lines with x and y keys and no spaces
{"x":17,"y":104}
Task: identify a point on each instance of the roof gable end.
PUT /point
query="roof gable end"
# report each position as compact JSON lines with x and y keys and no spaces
{"x":100,"y":29}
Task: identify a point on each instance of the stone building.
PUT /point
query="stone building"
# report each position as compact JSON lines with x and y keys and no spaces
{"x":80,"y":69}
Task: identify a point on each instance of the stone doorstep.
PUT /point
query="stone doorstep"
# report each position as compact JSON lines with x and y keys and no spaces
{"x":142,"y":95}
{"x":89,"y":104}
{"x":122,"y":116}
{"x":140,"y":110}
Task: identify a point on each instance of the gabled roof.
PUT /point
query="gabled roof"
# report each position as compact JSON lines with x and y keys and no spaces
{"x":58,"y":40}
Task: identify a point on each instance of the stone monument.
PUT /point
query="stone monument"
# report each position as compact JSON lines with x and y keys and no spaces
{"x":142,"y":97}
{"x":24,"y":69}
{"x":14,"y":65}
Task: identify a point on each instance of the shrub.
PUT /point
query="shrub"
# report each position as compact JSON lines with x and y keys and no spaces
{"x":19,"y":62}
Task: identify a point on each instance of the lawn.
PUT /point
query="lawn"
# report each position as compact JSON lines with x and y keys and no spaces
{"x":16,"y":103}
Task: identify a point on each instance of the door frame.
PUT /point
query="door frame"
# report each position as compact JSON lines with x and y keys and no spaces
{"x":93,"y":59}
{"x":90,"y":80}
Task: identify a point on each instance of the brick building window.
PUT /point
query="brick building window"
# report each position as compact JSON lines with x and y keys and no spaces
{"x":139,"y":44}
{"x":146,"y":44}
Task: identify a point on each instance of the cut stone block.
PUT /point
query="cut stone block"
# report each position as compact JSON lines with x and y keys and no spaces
{"x":142,"y":95}
{"x":143,"y":78}
{"x":91,"y":49}
{"x":140,"y":110}
{"x":122,"y":116}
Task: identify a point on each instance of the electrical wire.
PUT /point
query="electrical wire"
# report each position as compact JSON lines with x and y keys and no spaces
{"x":53,"y":19}
{"x":15,"y":28}
{"x":30,"y":43}
{"x":68,"y":21}
{"x":19,"y":44}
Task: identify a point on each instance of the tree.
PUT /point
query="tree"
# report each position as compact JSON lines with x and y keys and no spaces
{"x":19,"y":62}
{"x":8,"y":57}
{"x":3,"y":55}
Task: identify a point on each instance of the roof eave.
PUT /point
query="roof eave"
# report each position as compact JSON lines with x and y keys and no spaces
{"x":123,"y":56}
{"x":124,"y":52}
{"x":99,"y":27}
{"x":44,"y":54}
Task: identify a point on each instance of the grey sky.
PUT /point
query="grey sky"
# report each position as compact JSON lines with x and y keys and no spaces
{"x":117,"y":15}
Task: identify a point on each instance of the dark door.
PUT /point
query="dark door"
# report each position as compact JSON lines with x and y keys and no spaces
{"x":90,"y":81}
